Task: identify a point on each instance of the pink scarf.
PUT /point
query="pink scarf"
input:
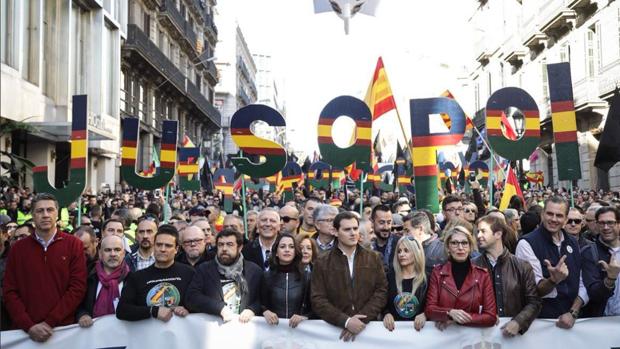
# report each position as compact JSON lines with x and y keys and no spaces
{"x":104,"y":304}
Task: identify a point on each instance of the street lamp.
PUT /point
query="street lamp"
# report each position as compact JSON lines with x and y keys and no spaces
{"x":519,"y":120}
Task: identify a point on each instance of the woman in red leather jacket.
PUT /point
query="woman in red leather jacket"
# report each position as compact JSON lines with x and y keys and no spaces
{"x":458,"y":291}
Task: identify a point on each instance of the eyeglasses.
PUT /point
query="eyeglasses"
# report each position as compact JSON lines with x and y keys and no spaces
{"x":604,"y":223}
{"x":454,"y":243}
{"x":453,"y":209}
{"x":287,"y":219}
{"x":467,"y":210}
{"x":397,"y":228}
{"x":574,"y":221}
{"x":192,"y":242}
{"x":19,"y":237}
{"x":327,"y":220}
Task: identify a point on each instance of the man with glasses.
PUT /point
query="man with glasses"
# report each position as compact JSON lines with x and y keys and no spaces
{"x":556,"y":262}
{"x":193,"y":247}
{"x":470,"y":212}
{"x":385,"y":242}
{"x":259,"y":250}
{"x":451,"y":208}
{"x":289,"y":219}
{"x":159,"y":290}
{"x":323,"y":218}
{"x":601,"y":265}
{"x":574,"y":226}
{"x":145,"y":235}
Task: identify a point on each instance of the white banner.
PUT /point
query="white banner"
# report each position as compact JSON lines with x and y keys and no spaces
{"x":203,"y":331}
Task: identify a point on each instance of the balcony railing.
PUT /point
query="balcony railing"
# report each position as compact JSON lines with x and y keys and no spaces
{"x":169,"y":9}
{"x":210,"y":27}
{"x":203,"y":104}
{"x":212,"y":71}
{"x":139,"y":41}
{"x":243,"y":96}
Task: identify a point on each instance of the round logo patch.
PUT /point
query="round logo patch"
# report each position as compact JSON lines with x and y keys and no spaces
{"x":163,"y":294}
{"x":569,"y":249}
{"x":406,"y":305}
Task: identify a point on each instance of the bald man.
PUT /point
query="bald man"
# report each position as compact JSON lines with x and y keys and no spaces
{"x":101,"y":299}
{"x":289,"y":219}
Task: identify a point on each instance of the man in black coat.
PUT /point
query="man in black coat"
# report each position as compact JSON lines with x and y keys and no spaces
{"x":268,"y":226}
{"x":104,"y":282}
{"x":227,"y":285}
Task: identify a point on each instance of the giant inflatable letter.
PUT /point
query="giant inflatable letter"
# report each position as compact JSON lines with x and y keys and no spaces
{"x":359,"y":152}
{"x":79,"y":153}
{"x":425,"y":145}
{"x":252,"y":145}
{"x":168,"y":155}
{"x":564,"y":121}
{"x":501,"y":100}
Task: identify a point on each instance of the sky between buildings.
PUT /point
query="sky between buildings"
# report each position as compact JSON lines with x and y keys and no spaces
{"x":425,"y":46}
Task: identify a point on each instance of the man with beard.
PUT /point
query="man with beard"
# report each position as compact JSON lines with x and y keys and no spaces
{"x":349,"y":287}
{"x":159,"y":290}
{"x":556,"y":262}
{"x":385,"y":243}
{"x":45,"y":277}
{"x":143,"y":257}
{"x":227,"y":286}
{"x":105,"y":282}
{"x":259,"y":250}
{"x":591,"y":232}
{"x":194,"y":247}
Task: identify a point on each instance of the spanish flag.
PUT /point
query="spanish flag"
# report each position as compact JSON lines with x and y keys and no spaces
{"x":511,"y":188}
{"x":379,"y":97}
{"x":446,"y":119}
{"x":508,"y":130}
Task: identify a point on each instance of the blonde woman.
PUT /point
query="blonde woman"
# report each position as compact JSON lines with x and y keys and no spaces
{"x":406,"y":285}
{"x":460,"y":292}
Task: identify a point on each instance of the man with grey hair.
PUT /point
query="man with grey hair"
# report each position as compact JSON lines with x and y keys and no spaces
{"x":418,"y":226}
{"x":512,"y":220}
{"x":574,"y":226}
{"x":192,"y":241}
{"x":367,"y":235}
{"x":204,"y":225}
{"x":259,"y":250}
{"x":323,"y":217}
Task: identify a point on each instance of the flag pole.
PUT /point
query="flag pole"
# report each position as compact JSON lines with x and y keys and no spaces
{"x":570,"y":190}
{"x":243,"y":203}
{"x":166,"y":194}
{"x":491,"y":179}
{"x":362,"y":194}
{"x":402,"y":129}
{"x":488,"y":147}
{"x":79,"y":214}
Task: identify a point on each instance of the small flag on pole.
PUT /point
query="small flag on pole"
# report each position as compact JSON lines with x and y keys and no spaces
{"x":511,"y":188}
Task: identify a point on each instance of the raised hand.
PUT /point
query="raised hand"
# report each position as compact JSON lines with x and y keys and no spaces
{"x":559,"y":272}
{"x":612,"y":268}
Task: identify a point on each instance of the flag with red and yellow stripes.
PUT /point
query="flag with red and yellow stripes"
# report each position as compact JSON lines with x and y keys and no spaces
{"x":446,"y":119}
{"x":379,"y":97}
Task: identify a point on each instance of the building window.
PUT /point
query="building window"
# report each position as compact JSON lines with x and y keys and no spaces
{"x":79,"y":36}
{"x":590,"y":53}
{"x":142,"y":102}
{"x":153,"y":111}
{"x":109,"y":69}
{"x":123,"y":93}
{"x":29,"y":48}
{"x":565,"y":52}
{"x":146,"y":22}
{"x":8,"y":30}
{"x":545,"y":80}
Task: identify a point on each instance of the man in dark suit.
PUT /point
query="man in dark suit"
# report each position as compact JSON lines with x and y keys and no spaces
{"x":228,"y":285}
{"x":259,"y":250}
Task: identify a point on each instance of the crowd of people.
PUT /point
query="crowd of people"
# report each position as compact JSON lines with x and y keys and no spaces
{"x":347,"y":258}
